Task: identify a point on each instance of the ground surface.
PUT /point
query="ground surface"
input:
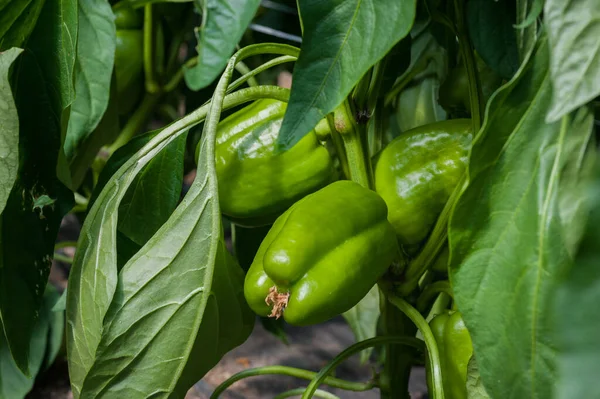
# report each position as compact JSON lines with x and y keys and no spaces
{"x":309,"y":348}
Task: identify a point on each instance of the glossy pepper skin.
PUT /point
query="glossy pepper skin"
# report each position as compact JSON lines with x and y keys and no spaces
{"x":416,"y":173}
{"x":256,"y":185}
{"x":326,"y":251}
{"x":129,"y":55}
{"x":455,"y":349}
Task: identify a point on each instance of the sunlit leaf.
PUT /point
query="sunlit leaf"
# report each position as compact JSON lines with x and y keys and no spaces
{"x":506,"y":234}
{"x":577,"y":321}
{"x":9,"y":128}
{"x":573,"y":31}
{"x":93,"y":70}
{"x":342,"y":40}
{"x":43,"y":86}
{"x":223,"y":23}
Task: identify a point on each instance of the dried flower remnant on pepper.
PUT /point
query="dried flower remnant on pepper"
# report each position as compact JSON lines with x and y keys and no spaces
{"x":279,"y":301}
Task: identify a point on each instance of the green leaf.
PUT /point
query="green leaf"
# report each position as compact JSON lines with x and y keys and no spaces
{"x":573,"y":31}
{"x":178,"y":305}
{"x":475,"y":388}
{"x":93,"y":278}
{"x":103,"y":223}
{"x":363,"y":318}
{"x":506,"y":233}
{"x":490,"y":26}
{"x":576,"y":307}
{"x":342,"y":40}
{"x":13,"y":383}
{"x":93,"y":70}
{"x":223,"y":23}
{"x":9,"y":128}
{"x":42,"y":84}
{"x":17,"y":20}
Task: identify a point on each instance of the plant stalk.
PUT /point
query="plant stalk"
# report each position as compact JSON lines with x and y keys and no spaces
{"x":466,"y":50}
{"x":354,"y":137}
{"x":293,"y":372}
{"x":368,"y":343}
{"x":398,"y":359}
{"x":151,"y":85}
{"x":433,"y":357}
{"x":430,"y":292}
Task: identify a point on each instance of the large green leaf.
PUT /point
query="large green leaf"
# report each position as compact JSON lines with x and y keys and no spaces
{"x":93,"y":278}
{"x":490,"y":25}
{"x":9,"y":128}
{"x":573,"y":31}
{"x":17,"y":20}
{"x":178,"y":305}
{"x":576,"y":306}
{"x":223,"y":23}
{"x":506,"y":234}
{"x":93,"y":70}
{"x":173,"y":317}
{"x":342,"y":40}
{"x":13,"y":383}
{"x":42,"y":87}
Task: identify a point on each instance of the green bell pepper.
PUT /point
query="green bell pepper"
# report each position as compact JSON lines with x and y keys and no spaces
{"x":256,"y":184}
{"x":416,"y":173}
{"x":455,"y":349}
{"x":128,"y":18}
{"x":322,"y":256}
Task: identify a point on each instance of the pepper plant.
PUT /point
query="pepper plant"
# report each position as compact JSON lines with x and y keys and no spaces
{"x":431,"y":176}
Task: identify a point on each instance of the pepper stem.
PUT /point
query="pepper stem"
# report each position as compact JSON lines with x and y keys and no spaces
{"x":354,"y":138}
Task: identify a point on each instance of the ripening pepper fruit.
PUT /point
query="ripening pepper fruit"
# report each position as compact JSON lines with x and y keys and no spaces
{"x":322,"y":256}
{"x":129,"y":55}
{"x":128,"y":18}
{"x":416,"y":174}
{"x":256,"y":184}
{"x":455,"y":349}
